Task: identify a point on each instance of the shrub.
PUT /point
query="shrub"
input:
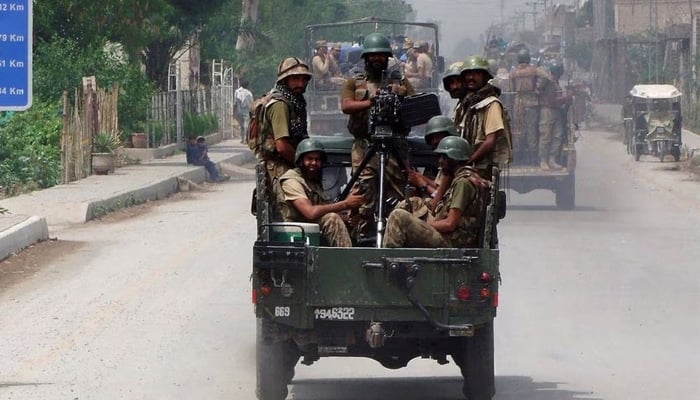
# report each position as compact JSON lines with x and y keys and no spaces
{"x":30,"y":152}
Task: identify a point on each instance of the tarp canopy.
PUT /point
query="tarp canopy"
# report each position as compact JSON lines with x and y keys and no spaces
{"x":655,"y":92}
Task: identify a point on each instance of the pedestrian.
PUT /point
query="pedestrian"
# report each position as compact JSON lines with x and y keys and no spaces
{"x":302,"y":198}
{"x":191,"y":149}
{"x":202,"y":159}
{"x":243,"y":100}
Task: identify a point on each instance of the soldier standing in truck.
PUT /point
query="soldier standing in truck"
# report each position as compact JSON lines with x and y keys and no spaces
{"x":527,"y":81}
{"x":484,"y":123}
{"x":357,"y":97}
{"x":285,"y":122}
{"x":552,"y":119}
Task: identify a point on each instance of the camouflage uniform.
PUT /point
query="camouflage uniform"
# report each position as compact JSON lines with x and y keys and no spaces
{"x":551,"y":122}
{"x":527,"y":81}
{"x":331,"y":225}
{"x":405,"y":230}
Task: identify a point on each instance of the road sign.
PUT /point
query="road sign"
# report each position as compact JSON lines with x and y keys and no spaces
{"x":15,"y":54}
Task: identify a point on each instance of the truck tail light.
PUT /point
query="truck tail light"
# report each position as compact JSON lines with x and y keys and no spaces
{"x":485,"y":293}
{"x":266,"y":290}
{"x":463,"y":292}
{"x":255,"y":296}
{"x":485,"y":277}
{"x":495,"y":299}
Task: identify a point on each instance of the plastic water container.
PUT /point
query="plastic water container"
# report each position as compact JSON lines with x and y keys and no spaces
{"x":295,"y":232}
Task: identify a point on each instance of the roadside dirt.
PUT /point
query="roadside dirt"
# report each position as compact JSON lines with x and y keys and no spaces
{"x":29,"y":261}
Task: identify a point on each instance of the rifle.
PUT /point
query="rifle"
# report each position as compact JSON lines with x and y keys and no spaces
{"x":491,"y":209}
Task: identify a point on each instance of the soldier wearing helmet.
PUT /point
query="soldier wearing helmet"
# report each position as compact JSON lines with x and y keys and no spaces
{"x":457,"y":215}
{"x":284,"y":124}
{"x":420,"y":77}
{"x":482,"y":119}
{"x":527,"y":81}
{"x":552,"y":118}
{"x":357,"y":97}
{"x":301,"y":196}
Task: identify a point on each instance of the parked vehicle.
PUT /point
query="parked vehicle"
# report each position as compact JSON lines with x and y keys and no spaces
{"x":653,"y":121}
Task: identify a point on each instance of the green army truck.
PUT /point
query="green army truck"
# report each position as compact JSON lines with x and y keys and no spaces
{"x":390,"y":305}
{"x":525,"y":175}
{"x":347,"y":38}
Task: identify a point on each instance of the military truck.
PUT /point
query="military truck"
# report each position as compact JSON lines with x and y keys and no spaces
{"x":525,"y":175}
{"x":324,"y":96}
{"x":390,"y":305}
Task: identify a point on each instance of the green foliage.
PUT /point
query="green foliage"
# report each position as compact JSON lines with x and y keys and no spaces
{"x":104,"y":142}
{"x":199,"y":124}
{"x":277,"y":35}
{"x":53,"y":74}
{"x":30,"y":151}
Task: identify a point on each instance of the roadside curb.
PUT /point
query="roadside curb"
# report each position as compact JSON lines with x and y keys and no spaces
{"x":18,"y":231}
{"x":22,"y":235}
{"x":155,"y":191}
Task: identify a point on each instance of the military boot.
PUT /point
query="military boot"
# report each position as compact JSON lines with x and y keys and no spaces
{"x":553,"y":164}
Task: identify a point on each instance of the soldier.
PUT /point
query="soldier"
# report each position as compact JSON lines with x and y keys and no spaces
{"x":527,"y":81}
{"x":284,"y":125}
{"x":301,"y":195}
{"x":437,"y":128}
{"x":321,"y":64}
{"x":552,"y":119}
{"x":453,"y":83}
{"x":483,"y":122}
{"x":457,"y":216}
{"x":421,"y":76}
{"x":357,"y":98}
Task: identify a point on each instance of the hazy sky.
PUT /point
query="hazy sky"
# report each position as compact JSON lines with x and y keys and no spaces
{"x":470,"y":19}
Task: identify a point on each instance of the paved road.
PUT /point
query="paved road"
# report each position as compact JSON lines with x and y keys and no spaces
{"x":596,"y":303}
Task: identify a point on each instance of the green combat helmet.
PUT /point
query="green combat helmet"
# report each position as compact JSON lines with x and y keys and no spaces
{"x":454,"y":70}
{"x":308,"y":146}
{"x":476,"y":63}
{"x":376,"y":43}
{"x":523,"y":56}
{"x":555,"y":68}
{"x":439,"y":124}
{"x":455,"y":148}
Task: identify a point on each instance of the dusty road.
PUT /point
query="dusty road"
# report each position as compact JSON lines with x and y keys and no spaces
{"x":596,"y":303}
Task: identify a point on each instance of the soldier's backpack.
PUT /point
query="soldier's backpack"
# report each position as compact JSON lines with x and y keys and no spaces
{"x":259,"y":139}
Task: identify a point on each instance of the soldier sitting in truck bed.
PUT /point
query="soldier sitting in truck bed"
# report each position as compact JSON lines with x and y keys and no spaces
{"x":457,"y":216}
{"x":303,"y":199}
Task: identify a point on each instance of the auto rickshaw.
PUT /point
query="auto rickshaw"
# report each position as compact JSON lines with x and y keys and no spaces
{"x":653,"y":121}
